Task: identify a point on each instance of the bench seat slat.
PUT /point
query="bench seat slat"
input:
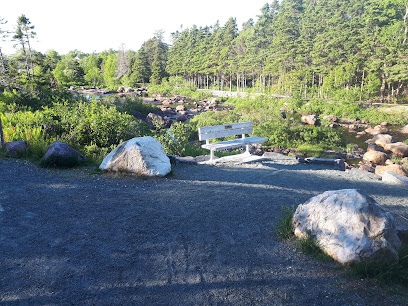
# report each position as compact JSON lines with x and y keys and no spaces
{"x":231,"y":144}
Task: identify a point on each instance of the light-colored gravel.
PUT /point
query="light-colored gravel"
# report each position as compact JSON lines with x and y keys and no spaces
{"x":202,"y":236}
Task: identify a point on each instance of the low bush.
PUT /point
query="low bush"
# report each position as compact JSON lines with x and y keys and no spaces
{"x":90,"y":127}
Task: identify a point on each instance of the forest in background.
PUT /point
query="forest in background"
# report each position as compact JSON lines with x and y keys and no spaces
{"x":307,"y":48}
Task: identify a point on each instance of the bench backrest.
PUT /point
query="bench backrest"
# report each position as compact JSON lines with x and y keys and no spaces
{"x":217,"y":131}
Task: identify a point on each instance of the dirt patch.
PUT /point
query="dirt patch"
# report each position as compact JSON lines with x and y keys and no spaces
{"x":203,"y":236}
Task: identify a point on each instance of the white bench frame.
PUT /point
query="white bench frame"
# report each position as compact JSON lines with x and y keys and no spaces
{"x":242,"y":128}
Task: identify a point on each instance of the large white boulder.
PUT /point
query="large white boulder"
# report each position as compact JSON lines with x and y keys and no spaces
{"x":348,"y":226}
{"x":140,"y":155}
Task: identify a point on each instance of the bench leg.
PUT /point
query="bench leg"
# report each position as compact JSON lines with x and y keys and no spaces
{"x":247,"y":150}
{"x":211,"y":156}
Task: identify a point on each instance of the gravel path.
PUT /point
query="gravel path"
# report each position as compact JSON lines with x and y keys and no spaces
{"x":202,"y":236}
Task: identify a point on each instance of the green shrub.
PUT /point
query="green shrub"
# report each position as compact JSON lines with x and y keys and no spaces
{"x":176,"y":140}
{"x":91,"y":127}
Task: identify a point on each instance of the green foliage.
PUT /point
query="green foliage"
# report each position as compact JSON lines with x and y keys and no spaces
{"x":68,"y":72}
{"x":13,"y":101}
{"x":282,"y":134}
{"x":284,"y":227}
{"x":176,"y":140}
{"x":178,"y":86}
{"x":84,"y":123}
{"x":92,"y":127}
{"x":384,"y":268}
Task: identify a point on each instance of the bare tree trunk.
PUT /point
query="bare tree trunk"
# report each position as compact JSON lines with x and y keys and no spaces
{"x":31,"y":57}
{"x":405,"y":23}
{"x":362,"y":84}
{"x":382,"y":89}
{"x":3,"y":64}
{"x":1,"y":134}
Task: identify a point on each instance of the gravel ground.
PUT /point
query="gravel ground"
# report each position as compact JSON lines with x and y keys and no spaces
{"x":202,"y":236}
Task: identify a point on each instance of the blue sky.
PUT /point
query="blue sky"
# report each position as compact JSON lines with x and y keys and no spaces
{"x":90,"y":25}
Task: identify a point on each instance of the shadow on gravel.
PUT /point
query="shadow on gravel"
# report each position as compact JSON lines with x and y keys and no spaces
{"x":204,"y":236}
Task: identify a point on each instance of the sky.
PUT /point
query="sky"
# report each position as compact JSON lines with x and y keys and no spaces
{"x":98,"y":25}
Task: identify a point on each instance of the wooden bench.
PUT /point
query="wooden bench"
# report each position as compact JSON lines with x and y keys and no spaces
{"x":218,"y":131}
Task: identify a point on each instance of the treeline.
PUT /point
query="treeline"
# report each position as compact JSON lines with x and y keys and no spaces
{"x":310,"y":48}
{"x":305,"y":48}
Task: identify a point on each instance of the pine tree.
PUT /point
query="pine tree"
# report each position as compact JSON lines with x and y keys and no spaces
{"x":141,"y":68}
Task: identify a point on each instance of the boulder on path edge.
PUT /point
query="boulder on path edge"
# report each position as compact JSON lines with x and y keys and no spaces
{"x":348,"y":226}
{"x":15,"y":148}
{"x":60,"y":154}
{"x":140,"y":155}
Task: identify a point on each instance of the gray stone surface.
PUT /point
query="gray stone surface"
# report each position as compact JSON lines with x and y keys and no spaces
{"x":15,"y":148}
{"x":140,"y":155}
{"x":61,"y":155}
{"x":394,"y":178}
{"x":348,"y":226}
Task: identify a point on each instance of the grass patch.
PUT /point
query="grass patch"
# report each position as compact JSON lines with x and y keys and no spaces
{"x":310,"y":247}
{"x":284,"y":227}
{"x":384,"y":269}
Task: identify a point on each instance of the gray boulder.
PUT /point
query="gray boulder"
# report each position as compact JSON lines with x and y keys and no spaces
{"x":16,"y":148}
{"x":60,"y":154}
{"x":140,"y":155}
{"x":394,"y":178}
{"x":309,"y":119}
{"x":404,"y":130}
{"x":348,"y":226}
{"x":375,"y":157}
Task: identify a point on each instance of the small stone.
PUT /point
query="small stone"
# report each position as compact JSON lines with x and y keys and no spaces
{"x":383,"y":139}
